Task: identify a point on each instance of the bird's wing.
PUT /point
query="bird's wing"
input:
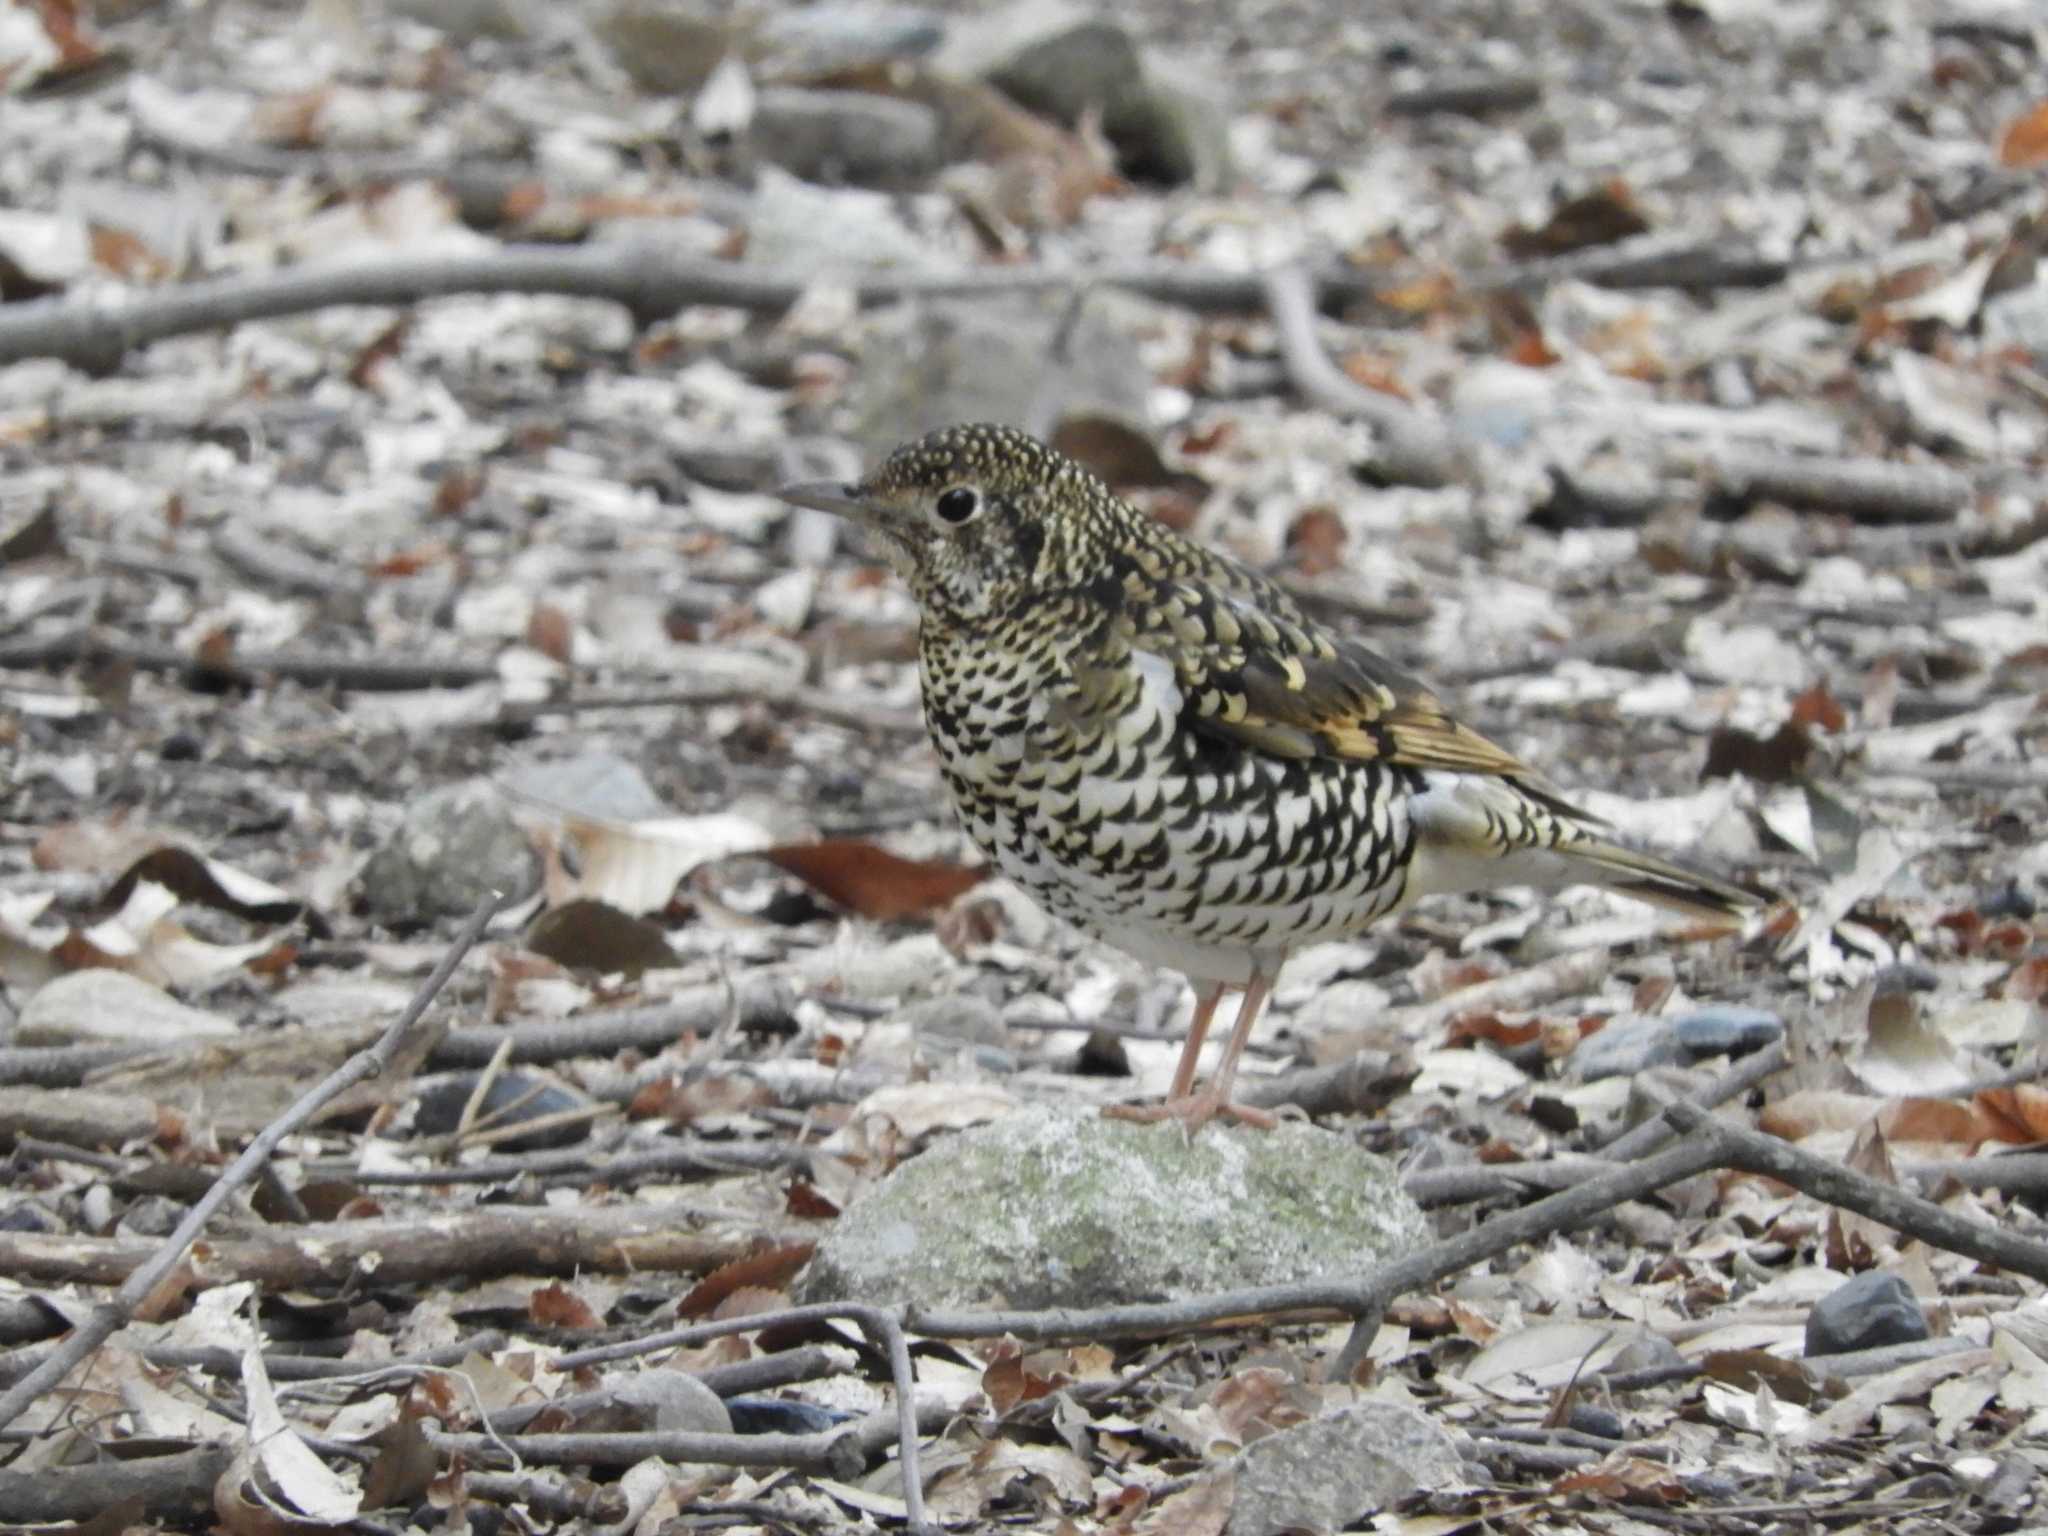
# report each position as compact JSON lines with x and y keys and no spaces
{"x":1260,"y":673}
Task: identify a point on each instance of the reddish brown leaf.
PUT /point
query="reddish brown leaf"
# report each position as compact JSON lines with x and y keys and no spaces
{"x":750,"y":1301}
{"x":801,"y":1198}
{"x":1316,"y":540}
{"x":871,"y":882}
{"x":1601,"y":217}
{"x":556,"y":1306}
{"x":1818,"y":707}
{"x":1624,"y":1480}
{"x":2024,"y":141}
{"x":1007,"y":1383}
{"x":2028,"y":982}
{"x":2020,"y":1113}
{"x":1375,"y":373}
{"x":771,"y":1267}
{"x":551,"y":632}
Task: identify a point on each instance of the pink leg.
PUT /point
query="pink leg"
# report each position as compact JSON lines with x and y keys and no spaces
{"x":1195,"y":1110}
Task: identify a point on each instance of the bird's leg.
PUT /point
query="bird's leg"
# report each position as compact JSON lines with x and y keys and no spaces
{"x":1206,"y":999}
{"x":1195,"y":1110}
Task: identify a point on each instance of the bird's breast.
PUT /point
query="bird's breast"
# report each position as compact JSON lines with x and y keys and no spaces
{"x":1094,"y":793}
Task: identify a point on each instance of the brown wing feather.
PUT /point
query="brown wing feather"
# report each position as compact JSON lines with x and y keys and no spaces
{"x":1260,"y":673}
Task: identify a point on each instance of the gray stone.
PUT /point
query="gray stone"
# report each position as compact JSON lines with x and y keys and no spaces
{"x":1060,"y":1207}
{"x":1724,"y":1029}
{"x":846,"y":136}
{"x":455,"y":844}
{"x":959,"y":1016}
{"x":1166,"y":121}
{"x":1631,"y":1043}
{"x":1330,"y":1473}
{"x":926,"y":366}
{"x":674,"y":1402}
{"x":1866,"y":1312}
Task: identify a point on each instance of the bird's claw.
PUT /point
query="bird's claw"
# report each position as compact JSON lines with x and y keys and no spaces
{"x":1193,"y":1111}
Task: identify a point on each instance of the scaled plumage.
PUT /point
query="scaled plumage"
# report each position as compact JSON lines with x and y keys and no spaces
{"x":1164,"y":748}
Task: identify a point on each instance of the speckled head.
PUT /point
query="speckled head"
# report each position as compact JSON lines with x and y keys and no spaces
{"x":974,"y":518}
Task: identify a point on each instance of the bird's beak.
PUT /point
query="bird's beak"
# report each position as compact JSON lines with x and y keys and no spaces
{"x":825,"y":496}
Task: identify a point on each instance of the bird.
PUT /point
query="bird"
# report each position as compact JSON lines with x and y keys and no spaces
{"x":1164,"y":748}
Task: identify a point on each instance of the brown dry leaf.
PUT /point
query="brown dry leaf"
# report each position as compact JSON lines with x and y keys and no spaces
{"x":1778,"y":759}
{"x":588,"y":935}
{"x":209,"y":883}
{"x":772,"y":1267}
{"x":1200,"y":1510}
{"x":122,"y":253}
{"x":1429,"y":295}
{"x":1008,"y":1382}
{"x":556,"y":1306}
{"x":994,"y":1471}
{"x":2019,"y":1114}
{"x":2024,"y":140}
{"x":1316,"y":540}
{"x":1812,"y":1110}
{"x":1937,"y":1121}
{"x":404,"y":1466}
{"x":1603,"y":216}
{"x":1749,"y":1369}
{"x":2028,"y":982}
{"x":552,"y":632}
{"x":703,"y":1098}
{"x":1118,"y":452}
{"x":1855,"y":1242}
{"x":1818,"y":707}
{"x":1258,"y":1400}
{"x":872,"y":882}
{"x":1376,"y":373}
{"x":802,"y":1198}
{"x":1623,"y":1480}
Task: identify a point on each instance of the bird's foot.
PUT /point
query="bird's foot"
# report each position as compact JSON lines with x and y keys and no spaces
{"x":1193,"y":1111}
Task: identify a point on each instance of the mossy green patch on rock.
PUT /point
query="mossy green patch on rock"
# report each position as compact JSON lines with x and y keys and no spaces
{"x":1064,"y":1208}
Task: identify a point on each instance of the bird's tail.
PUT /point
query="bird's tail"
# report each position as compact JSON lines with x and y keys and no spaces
{"x":1659,"y":881}
{"x":1474,"y":831}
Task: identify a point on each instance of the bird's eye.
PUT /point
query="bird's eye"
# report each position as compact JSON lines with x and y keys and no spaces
{"x":957,"y":505}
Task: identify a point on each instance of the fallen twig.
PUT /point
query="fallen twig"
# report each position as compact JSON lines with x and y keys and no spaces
{"x":760,"y":1001}
{"x":1414,"y":449}
{"x":363,"y":674}
{"x":1754,"y":1152}
{"x":877,"y":1323}
{"x":157,"y":1266}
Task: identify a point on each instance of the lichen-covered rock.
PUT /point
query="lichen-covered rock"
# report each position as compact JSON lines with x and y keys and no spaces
{"x":1328,"y":1474}
{"x":1064,"y":1208}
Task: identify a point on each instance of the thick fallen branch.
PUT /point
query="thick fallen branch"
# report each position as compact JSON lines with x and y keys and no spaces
{"x":1871,"y":490}
{"x":246,"y":669}
{"x":153,"y":1267}
{"x":396,"y":1251}
{"x":761,"y":1002}
{"x":653,"y":283}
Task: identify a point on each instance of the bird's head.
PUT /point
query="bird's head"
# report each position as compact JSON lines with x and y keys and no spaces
{"x":975,"y":518}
